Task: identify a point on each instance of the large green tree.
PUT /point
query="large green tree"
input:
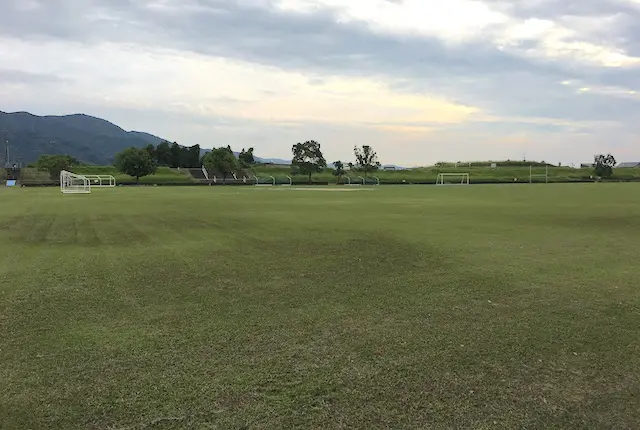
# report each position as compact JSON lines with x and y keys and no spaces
{"x":246,"y":158}
{"x":603,"y":165}
{"x":175,"y":155}
{"x":163,"y":154}
{"x":192,"y":156}
{"x":307,"y":159}
{"x":151,"y":150}
{"x":54,"y":164}
{"x":338,"y":169}
{"x":135,"y":162}
{"x":221,"y":160}
{"x":366,"y":159}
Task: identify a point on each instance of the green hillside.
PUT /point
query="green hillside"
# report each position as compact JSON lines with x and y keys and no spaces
{"x":505,"y":174}
{"x":501,"y":174}
{"x":90,"y":140}
{"x":164,"y":175}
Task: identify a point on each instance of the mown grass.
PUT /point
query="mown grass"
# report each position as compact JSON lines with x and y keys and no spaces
{"x":242,"y":307}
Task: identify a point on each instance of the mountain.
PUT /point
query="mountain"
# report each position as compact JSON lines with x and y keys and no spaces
{"x":272,"y":160}
{"x":89,"y":139}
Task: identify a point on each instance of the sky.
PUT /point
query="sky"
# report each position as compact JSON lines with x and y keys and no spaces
{"x":421,"y":81}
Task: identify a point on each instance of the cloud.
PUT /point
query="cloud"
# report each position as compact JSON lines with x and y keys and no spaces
{"x":21,"y":77}
{"x":421,"y":70}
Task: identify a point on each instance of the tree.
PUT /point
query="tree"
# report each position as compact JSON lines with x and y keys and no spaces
{"x":366,"y":159}
{"x":307,"y":158}
{"x":338,"y":169}
{"x":246,"y":158}
{"x":192,"y":156}
{"x":175,"y":155}
{"x":54,"y":164}
{"x":603,"y":165}
{"x":163,"y":154}
{"x":135,"y":162}
{"x":151,"y":150}
{"x":220,"y":160}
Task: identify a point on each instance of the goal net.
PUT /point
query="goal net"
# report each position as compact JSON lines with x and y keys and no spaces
{"x":70,"y":183}
{"x":539,"y":175}
{"x":101,"y":181}
{"x":452,"y":179}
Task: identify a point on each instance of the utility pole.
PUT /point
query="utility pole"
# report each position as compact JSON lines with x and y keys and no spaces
{"x":7,"y":154}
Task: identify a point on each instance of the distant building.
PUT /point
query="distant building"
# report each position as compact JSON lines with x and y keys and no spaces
{"x":629,"y":164}
{"x":587,"y":165}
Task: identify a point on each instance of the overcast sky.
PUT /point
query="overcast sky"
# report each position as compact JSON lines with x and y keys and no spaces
{"x":419,"y":80}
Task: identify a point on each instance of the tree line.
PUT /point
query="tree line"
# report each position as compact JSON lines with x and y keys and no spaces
{"x":307,"y":159}
{"x":173,"y":155}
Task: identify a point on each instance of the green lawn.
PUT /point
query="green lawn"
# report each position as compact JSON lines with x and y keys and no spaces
{"x":513,"y":306}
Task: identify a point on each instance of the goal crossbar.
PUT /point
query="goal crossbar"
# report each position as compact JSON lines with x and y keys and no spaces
{"x":101,"y":181}
{"x":464,"y":178}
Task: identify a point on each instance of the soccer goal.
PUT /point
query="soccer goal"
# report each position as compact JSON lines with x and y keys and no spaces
{"x":101,"y":181}
{"x":452,"y":179}
{"x":70,"y":183}
{"x":538,"y":175}
{"x":271,"y":183}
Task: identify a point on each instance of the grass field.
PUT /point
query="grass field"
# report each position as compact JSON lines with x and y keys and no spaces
{"x":513,"y":306}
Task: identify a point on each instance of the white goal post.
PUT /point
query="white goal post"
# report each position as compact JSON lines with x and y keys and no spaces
{"x":463,"y":178}
{"x":542,"y":176}
{"x":101,"y":181}
{"x":70,"y":183}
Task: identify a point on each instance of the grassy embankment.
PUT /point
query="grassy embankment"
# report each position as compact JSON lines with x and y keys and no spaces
{"x":478,"y":174}
{"x":163,"y":175}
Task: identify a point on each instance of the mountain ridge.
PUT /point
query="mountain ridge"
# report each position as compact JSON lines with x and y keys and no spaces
{"x":89,"y":139}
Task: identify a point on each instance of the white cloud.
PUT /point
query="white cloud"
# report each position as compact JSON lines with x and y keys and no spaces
{"x":461,"y":21}
{"x":140,"y":77}
{"x":452,"y":20}
{"x":421,"y":80}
